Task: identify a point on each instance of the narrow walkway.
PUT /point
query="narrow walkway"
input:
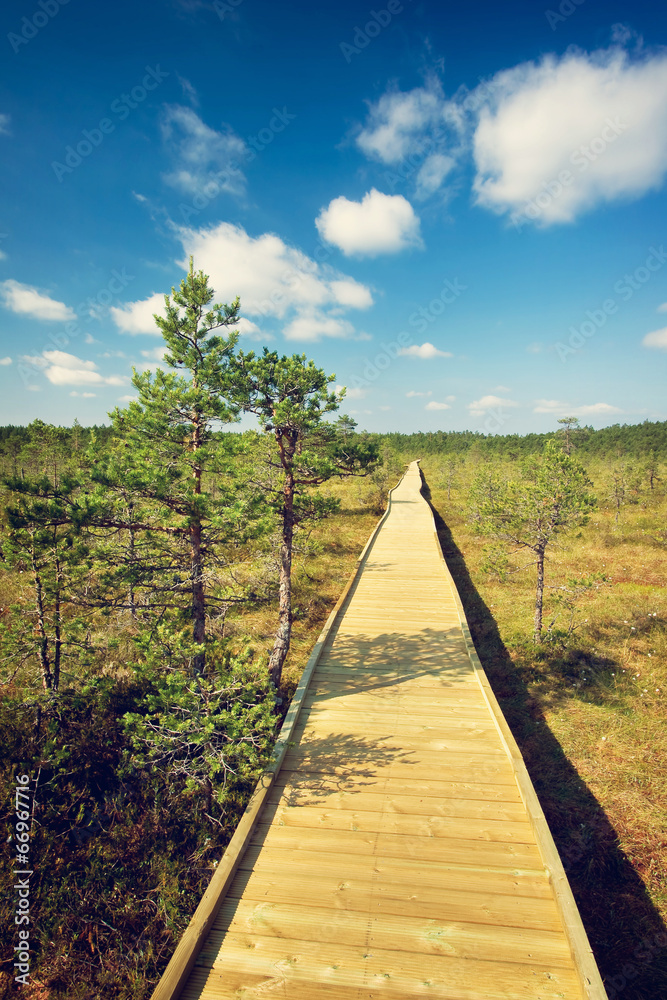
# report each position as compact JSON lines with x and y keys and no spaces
{"x":400,"y":851}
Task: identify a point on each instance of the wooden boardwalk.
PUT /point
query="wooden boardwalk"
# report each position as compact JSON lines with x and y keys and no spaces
{"x":396,"y":848}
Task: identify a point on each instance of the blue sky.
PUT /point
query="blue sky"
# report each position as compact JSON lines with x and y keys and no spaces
{"x":457,"y":208}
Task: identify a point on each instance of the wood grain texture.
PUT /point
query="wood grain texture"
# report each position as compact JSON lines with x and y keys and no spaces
{"x":399,"y":848}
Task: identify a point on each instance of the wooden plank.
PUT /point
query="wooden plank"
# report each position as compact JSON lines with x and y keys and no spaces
{"x":373,"y":969}
{"x":387,"y":802}
{"x":360,"y":757}
{"x":445,"y":849}
{"x":390,"y":932}
{"x":404,"y":873}
{"x":399,"y":899}
{"x":425,"y":788}
{"x":420,"y":825}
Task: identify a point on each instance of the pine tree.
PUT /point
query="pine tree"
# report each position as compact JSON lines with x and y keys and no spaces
{"x":291,"y":397}
{"x":168,"y":475}
{"x":551,"y":497}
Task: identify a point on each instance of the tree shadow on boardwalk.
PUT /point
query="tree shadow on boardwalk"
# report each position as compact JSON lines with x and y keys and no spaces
{"x":625,"y":930}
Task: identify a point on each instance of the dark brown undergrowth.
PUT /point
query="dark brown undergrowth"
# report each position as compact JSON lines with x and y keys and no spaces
{"x":120,"y":858}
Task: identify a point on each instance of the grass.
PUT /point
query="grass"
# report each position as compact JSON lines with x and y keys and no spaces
{"x":589,"y":714}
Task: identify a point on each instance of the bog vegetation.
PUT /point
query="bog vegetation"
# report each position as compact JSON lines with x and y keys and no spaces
{"x":164,"y":577}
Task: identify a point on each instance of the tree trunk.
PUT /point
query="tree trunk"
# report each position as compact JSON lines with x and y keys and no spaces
{"x":539,"y":593}
{"x":132,"y":560}
{"x":57,"y":616}
{"x":43,"y":648}
{"x":198,"y":597}
{"x":197,"y":558}
{"x":284,"y":632}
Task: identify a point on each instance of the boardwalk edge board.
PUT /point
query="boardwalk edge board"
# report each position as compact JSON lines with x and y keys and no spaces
{"x":183,"y":960}
{"x":582,"y":953}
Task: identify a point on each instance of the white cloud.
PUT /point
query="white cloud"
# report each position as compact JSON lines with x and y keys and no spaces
{"x":275,"y":281}
{"x":205,"y":161}
{"x":248,"y":329}
{"x":4,"y":124}
{"x":657,"y":338}
{"x":29,"y":301}
{"x":128,"y":399}
{"x":352,"y":393}
{"x":189,"y":91}
{"x":544,"y":116}
{"x":662,"y":308}
{"x":425,"y":351}
{"x":479,"y":407}
{"x":413,"y":393}
{"x":314,"y":325}
{"x":5,"y":361}
{"x":432,"y":173}
{"x":61,"y":368}
{"x":379,"y":223}
{"x":84,"y":395}
{"x":397,"y":121}
{"x":437,"y":406}
{"x":349,"y":292}
{"x":155,"y":353}
{"x":137,"y":317}
{"x":557,"y":408}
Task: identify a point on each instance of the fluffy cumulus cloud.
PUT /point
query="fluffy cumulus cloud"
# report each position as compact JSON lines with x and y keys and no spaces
{"x":28,"y":301}
{"x":61,"y":368}
{"x":561,"y":136}
{"x":479,"y":407}
{"x":204,"y":161}
{"x":426,"y":351}
{"x":559,"y":409}
{"x":433,"y":405}
{"x":274,"y":281}
{"x":379,"y":223}
{"x":549,"y":140}
{"x":5,"y":361}
{"x":137,"y":317}
{"x":399,"y":121}
{"x":657,"y":338}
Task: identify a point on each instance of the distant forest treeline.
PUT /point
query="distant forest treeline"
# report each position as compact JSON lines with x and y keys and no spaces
{"x":631,"y":440}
